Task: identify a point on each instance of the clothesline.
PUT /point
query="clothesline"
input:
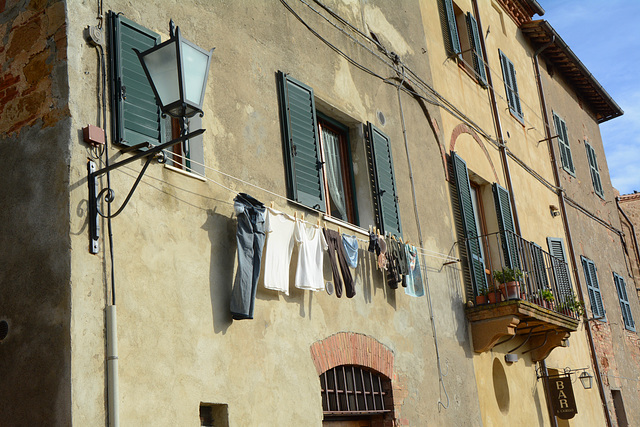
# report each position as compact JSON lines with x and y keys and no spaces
{"x":169,"y":156}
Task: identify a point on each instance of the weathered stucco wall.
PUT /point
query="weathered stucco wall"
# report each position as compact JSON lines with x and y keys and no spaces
{"x":597,"y":228}
{"x":175,"y":242}
{"x":34,"y":219}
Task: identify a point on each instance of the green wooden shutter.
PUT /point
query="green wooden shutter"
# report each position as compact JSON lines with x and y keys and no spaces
{"x":466,"y":215}
{"x":506,"y":226}
{"x":595,"y":172}
{"x":514,"y":87}
{"x":478,"y":57}
{"x":625,"y":307}
{"x":593,"y":288}
{"x":454,"y":46}
{"x":560,"y":269}
{"x":510,"y":85}
{"x":301,"y":143}
{"x":539,"y":270}
{"x":563,"y":144}
{"x":136,"y":115}
{"x":383,"y":183}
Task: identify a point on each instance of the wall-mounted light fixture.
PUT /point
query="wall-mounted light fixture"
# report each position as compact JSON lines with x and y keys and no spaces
{"x":554,"y":210}
{"x":177,"y":71}
{"x":585,"y":377}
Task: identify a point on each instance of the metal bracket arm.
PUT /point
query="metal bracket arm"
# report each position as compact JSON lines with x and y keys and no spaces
{"x":93,"y":174}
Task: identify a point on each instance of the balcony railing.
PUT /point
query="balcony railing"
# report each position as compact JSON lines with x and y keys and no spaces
{"x":545,"y":279}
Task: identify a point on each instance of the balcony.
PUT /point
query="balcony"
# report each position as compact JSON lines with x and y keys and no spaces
{"x":540,"y":306}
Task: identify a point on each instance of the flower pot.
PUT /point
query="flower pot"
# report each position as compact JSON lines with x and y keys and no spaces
{"x":510,"y":290}
{"x":493,"y":297}
{"x":481,"y":299}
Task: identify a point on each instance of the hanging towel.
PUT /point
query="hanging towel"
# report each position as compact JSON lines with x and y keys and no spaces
{"x":413,"y":280}
{"x":278,"y":249}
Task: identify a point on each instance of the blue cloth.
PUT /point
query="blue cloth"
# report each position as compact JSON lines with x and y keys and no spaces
{"x":250,"y":241}
{"x":350,"y":244}
{"x":413,"y":281}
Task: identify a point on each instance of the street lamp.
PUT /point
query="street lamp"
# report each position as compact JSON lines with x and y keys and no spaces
{"x":586,"y":380}
{"x":177,"y":70}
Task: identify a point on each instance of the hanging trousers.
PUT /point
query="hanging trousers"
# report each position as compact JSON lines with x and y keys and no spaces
{"x":250,"y":240}
{"x":334,"y":241}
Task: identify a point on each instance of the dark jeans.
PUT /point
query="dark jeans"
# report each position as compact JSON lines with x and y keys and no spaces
{"x":334,"y":241}
{"x":250,"y":240}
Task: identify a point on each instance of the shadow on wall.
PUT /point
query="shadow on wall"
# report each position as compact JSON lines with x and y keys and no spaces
{"x":222,"y":230}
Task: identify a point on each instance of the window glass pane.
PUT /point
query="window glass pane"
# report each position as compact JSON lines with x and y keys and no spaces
{"x":335,"y":182}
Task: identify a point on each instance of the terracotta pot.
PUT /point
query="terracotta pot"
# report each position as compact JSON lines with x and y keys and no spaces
{"x":481,"y":299}
{"x":493,"y":297}
{"x":510,"y":290}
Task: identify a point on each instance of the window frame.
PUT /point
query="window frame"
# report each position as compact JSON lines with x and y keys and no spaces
{"x":596,"y":181}
{"x":566,"y":158}
{"x":625,"y":306}
{"x":346,"y":167}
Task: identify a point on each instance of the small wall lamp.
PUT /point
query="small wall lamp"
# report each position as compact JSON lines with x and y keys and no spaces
{"x":554,"y":210}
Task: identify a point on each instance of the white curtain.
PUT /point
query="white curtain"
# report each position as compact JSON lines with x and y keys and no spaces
{"x":334,"y":172}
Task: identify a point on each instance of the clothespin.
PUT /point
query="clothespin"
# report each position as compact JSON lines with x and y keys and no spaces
{"x":302,"y":216}
{"x":339,"y":230}
{"x":318,"y":222}
{"x":295,"y":215}
{"x":272,"y":204}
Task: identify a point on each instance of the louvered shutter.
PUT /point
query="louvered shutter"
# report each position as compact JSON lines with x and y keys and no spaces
{"x":301,"y":143}
{"x":506,"y":226}
{"x":478,"y":57}
{"x":563,"y":144}
{"x":136,"y":117}
{"x":625,"y":307}
{"x":560,"y":269}
{"x":478,"y":279}
{"x":593,"y":288}
{"x":510,"y":84}
{"x":383,"y":183}
{"x":539,"y":270}
{"x":454,"y":39}
{"x":595,"y":172}
{"x":517,"y":109}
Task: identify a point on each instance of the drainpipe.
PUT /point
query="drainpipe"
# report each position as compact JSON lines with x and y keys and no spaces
{"x":498,"y":123}
{"x":633,"y":231}
{"x":112,"y":367}
{"x":565,"y":223}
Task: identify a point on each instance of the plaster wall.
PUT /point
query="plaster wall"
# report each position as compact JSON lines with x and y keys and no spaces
{"x":34,"y":219}
{"x":175,"y":249}
{"x":615,"y":345}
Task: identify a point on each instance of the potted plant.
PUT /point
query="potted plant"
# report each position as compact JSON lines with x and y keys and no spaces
{"x":547,"y":297}
{"x":573,"y":305}
{"x":509,"y":279}
{"x":481,"y":298}
{"x":493,"y":295}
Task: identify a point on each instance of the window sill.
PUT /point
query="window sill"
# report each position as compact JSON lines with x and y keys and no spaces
{"x":344,"y":224}
{"x":184,"y":172}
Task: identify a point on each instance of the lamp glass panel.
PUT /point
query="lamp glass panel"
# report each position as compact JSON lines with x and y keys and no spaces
{"x":162,"y":65}
{"x":195,"y":68}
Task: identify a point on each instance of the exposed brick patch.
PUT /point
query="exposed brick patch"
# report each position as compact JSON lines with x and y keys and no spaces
{"x":350,"y":348}
{"x":463,"y":128}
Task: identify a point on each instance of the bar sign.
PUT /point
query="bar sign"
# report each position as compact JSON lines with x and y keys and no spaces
{"x":562,"y":398}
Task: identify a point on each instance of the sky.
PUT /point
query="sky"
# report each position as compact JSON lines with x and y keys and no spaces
{"x":605,"y":35}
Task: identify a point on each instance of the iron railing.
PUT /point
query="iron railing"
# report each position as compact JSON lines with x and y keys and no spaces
{"x":545,"y":281}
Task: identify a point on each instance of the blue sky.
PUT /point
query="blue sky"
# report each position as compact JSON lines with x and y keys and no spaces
{"x":606,"y":37}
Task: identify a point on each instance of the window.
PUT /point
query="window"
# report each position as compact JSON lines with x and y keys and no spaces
{"x":563,"y":143}
{"x":462,"y":39}
{"x":189,"y":155}
{"x":593,"y":288}
{"x":318,"y":160}
{"x":595,"y":172}
{"x":136,"y":117}
{"x":625,"y":307}
{"x":214,"y":415}
{"x":511,"y":86}
{"x":350,"y":390}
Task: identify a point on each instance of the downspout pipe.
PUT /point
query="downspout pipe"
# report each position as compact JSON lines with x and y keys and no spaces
{"x":633,"y":230}
{"x":567,"y":228}
{"x":112,"y":367}
{"x":496,"y":114}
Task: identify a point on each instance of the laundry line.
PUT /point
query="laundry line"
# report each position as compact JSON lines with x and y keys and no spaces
{"x":169,"y":157}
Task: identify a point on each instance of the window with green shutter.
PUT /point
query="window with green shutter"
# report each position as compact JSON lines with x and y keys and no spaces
{"x":511,"y":85}
{"x":136,"y":115}
{"x":476,"y":50}
{"x":383,"y":182}
{"x":595,"y":172}
{"x":593,"y":288}
{"x":506,"y":226}
{"x":477,"y":279}
{"x":625,"y":307}
{"x":453,"y":41}
{"x":563,"y":143}
{"x":317,"y":153}
{"x":560,"y":268}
